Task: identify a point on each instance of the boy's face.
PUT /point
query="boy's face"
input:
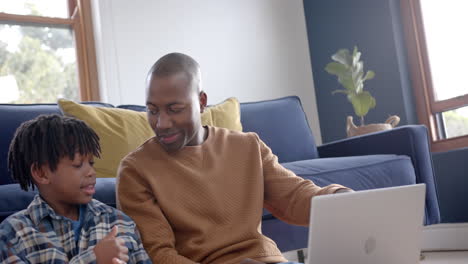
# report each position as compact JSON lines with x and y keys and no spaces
{"x":71,"y":184}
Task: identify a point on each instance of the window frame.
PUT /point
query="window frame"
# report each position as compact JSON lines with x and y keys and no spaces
{"x":426,"y":105}
{"x":80,"y":21}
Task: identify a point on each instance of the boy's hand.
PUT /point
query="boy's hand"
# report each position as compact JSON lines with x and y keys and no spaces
{"x":117,"y":261}
{"x":111,"y":249}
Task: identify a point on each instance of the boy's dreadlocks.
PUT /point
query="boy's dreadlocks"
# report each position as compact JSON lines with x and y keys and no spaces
{"x":44,"y":141}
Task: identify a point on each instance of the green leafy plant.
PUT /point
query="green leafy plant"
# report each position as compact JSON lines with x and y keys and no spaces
{"x":350,"y":72}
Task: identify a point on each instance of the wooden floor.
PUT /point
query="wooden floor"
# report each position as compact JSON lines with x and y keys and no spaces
{"x":445,"y":257}
{"x":433,"y":257}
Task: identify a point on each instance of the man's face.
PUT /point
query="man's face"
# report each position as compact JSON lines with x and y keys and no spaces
{"x":173,"y":109}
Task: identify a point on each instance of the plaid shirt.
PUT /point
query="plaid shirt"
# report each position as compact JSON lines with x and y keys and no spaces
{"x":38,"y":235}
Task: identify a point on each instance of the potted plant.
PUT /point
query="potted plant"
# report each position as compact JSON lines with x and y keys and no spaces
{"x":350,"y":72}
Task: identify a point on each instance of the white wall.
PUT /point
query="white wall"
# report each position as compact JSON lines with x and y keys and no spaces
{"x":250,"y":49}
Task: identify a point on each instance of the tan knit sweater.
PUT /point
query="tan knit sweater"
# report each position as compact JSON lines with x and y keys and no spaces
{"x":204,"y":203}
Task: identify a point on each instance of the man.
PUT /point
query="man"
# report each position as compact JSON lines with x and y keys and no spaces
{"x":197,"y":193}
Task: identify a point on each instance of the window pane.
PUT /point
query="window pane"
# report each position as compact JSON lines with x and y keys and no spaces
{"x":456,"y":122}
{"x":37,"y":64}
{"x":445,"y":25}
{"x":50,"y":8}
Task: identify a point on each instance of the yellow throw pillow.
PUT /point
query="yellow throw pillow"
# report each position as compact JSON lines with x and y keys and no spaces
{"x":120,"y":131}
{"x":225,"y":114}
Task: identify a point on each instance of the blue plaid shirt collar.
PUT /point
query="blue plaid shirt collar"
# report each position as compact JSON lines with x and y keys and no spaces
{"x":38,"y":209}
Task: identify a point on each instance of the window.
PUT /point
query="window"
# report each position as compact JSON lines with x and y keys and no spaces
{"x":436,"y":42}
{"x":47,"y":51}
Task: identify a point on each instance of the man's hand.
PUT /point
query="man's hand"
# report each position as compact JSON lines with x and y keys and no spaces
{"x":251,"y":261}
{"x":111,"y":249}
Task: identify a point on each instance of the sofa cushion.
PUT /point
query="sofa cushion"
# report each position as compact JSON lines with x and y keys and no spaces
{"x":14,"y":199}
{"x":120,"y":131}
{"x":361,"y":172}
{"x":139,"y":108}
{"x":282,"y":125}
{"x":11,"y":116}
{"x":225,"y":114}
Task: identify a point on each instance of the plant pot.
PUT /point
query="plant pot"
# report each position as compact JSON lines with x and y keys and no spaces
{"x":353,"y":130}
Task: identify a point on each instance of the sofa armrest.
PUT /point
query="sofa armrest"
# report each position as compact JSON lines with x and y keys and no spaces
{"x":410,"y":140}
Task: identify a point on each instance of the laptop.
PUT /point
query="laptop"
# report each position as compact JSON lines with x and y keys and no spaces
{"x":379,"y":226}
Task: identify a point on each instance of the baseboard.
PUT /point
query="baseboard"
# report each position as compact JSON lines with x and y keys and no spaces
{"x":445,"y":237}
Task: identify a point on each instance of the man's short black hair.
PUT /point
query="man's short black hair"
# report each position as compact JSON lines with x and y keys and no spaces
{"x":44,"y":141}
{"x":174,"y":63}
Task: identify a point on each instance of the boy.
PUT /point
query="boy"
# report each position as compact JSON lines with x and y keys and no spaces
{"x":63,"y":223}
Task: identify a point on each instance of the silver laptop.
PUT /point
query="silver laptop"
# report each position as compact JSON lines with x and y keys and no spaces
{"x":380,"y":226}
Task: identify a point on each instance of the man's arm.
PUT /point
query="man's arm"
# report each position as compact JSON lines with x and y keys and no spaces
{"x":287,"y":196}
{"x":137,"y":201}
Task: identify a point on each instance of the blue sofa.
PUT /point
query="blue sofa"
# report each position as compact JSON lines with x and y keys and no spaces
{"x":390,"y":158}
